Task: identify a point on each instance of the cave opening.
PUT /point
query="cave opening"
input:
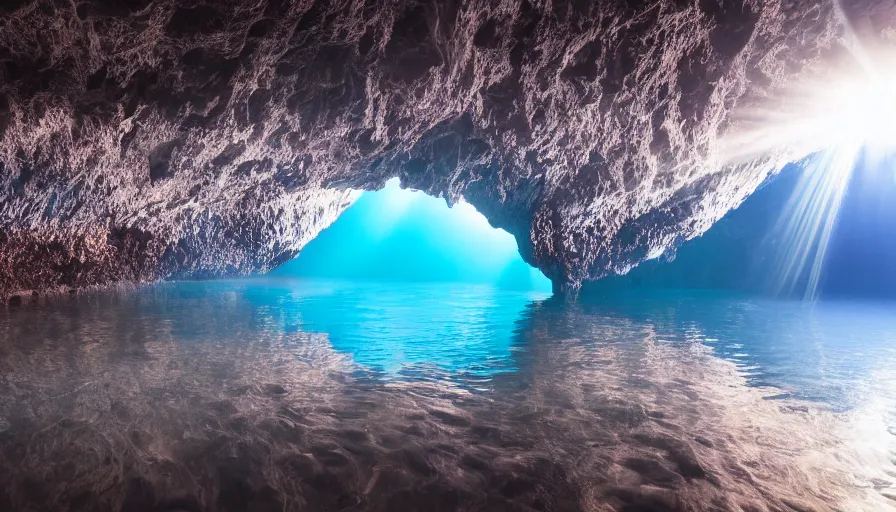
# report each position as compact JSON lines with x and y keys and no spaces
{"x":402,"y":235}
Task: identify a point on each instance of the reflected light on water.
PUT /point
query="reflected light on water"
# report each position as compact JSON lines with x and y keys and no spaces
{"x":281,"y":395}
{"x":389,"y":333}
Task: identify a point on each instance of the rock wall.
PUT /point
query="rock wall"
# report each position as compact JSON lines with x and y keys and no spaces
{"x":151,"y":139}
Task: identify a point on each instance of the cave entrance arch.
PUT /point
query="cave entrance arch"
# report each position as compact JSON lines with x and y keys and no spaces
{"x":395,"y":234}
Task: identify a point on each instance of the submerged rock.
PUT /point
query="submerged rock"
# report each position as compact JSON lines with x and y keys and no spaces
{"x":154,"y":139}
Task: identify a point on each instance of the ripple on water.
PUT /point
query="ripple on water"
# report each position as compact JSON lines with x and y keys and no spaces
{"x":243,"y":396}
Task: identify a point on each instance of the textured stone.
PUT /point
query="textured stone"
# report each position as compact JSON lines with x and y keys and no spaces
{"x":152,"y":139}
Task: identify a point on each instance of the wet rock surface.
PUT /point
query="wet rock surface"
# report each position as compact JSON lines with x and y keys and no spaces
{"x":156,"y":138}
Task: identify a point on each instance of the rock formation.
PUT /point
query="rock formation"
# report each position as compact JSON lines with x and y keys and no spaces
{"x":151,"y":139}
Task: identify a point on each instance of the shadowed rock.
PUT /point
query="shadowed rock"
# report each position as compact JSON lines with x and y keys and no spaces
{"x":145,"y":140}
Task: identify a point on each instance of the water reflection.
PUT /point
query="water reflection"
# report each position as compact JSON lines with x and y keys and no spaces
{"x":297,"y":395}
{"x":822,"y":351}
{"x":404,"y":327}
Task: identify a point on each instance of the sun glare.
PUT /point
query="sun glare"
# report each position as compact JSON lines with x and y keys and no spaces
{"x":860,"y":111}
{"x":830,"y":125}
{"x":836,"y":112}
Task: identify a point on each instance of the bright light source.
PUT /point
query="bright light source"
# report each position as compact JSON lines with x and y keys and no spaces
{"x":837,"y":119}
{"x":834,"y":113}
{"x":855,"y":112}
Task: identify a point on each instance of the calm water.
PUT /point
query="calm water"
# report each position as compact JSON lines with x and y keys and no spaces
{"x":303,"y":395}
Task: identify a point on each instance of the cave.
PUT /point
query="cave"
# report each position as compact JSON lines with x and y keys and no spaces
{"x":397,"y":234}
{"x":455,"y":255}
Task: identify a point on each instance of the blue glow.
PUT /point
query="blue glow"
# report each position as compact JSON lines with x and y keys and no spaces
{"x":398,"y":328}
{"x":403,"y":235}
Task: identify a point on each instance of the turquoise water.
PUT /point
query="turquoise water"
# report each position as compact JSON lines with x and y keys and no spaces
{"x":300,"y":394}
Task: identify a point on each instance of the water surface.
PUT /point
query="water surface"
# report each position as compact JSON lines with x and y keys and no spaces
{"x":278,"y":394}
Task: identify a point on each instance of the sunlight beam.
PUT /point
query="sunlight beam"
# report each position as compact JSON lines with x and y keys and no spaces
{"x":809,"y":218}
{"x":839,"y":120}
